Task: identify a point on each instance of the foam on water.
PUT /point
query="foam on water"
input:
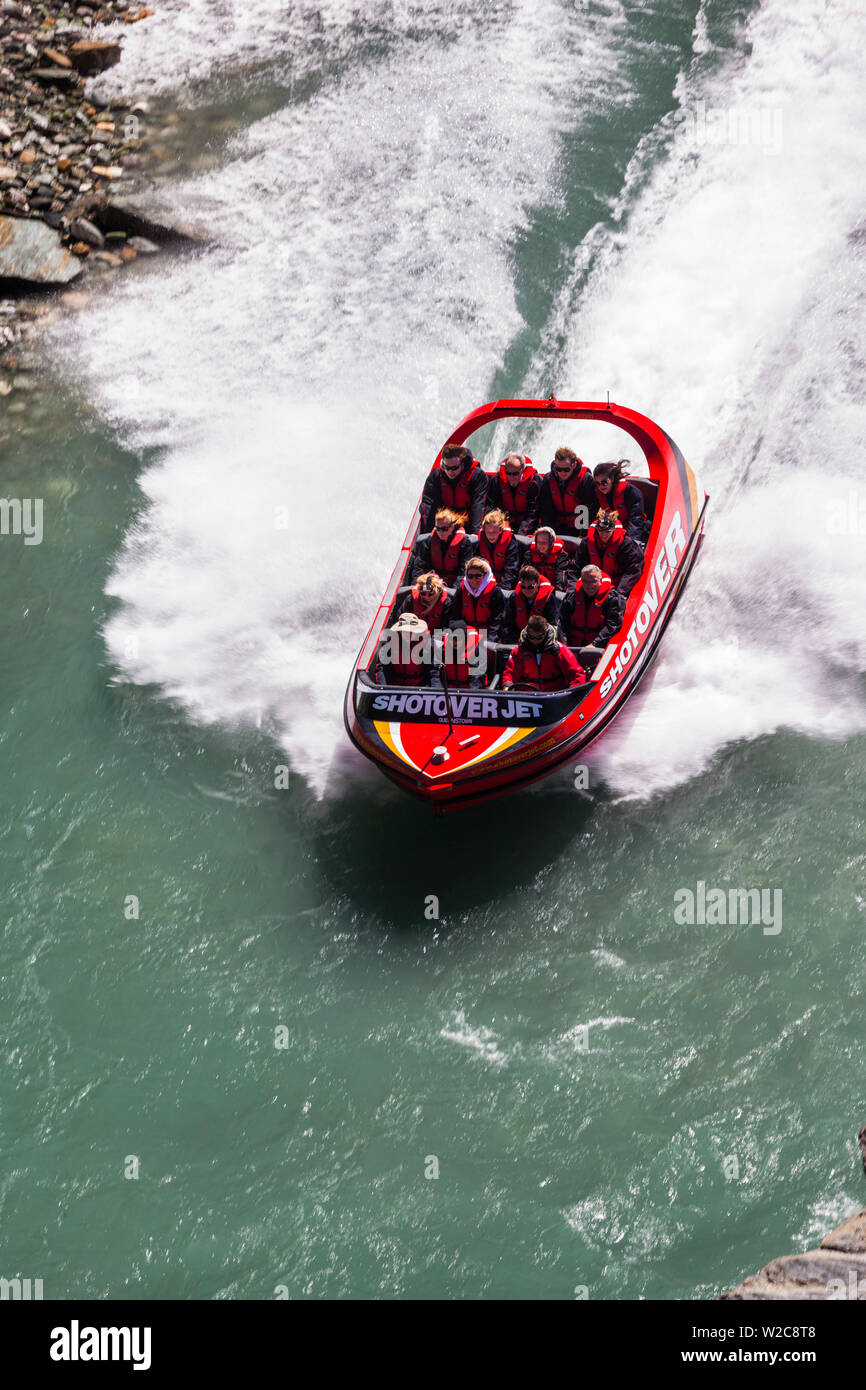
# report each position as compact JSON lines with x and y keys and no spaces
{"x":362,"y":283}
{"x":728,"y":304}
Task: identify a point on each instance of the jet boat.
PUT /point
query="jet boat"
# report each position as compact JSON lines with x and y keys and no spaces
{"x":453,"y":745}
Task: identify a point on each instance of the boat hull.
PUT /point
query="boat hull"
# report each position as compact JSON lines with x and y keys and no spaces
{"x":499,"y":742}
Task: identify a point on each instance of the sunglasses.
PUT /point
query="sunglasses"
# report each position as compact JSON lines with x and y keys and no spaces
{"x":443,"y":527}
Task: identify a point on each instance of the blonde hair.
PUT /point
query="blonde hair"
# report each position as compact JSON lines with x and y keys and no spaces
{"x":497,"y":517}
{"x":430,"y":580}
{"x":446,"y":514}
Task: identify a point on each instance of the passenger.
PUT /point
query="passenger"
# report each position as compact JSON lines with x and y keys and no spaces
{"x":567,"y":498}
{"x":478,"y":600}
{"x":613,"y":491}
{"x":457,"y":482}
{"x":404,"y":654}
{"x":592,"y":612}
{"x":515,"y":487}
{"x":446,"y":549}
{"x":608,"y":547}
{"x":549,"y":556}
{"x":532,"y":595}
{"x":496,"y":545}
{"x":539,"y":660}
{"x":429,"y":600}
{"x":461,"y":660}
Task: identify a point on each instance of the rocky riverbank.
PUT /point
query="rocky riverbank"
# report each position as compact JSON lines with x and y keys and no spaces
{"x":70,"y":165}
{"x":837,"y":1269}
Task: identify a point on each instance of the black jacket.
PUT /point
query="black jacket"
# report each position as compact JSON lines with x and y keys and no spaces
{"x":637,"y":527}
{"x":431,"y":498}
{"x":630,"y":559}
{"x":497,"y":612}
{"x":612,"y":612}
{"x":422,"y":560}
{"x":547,"y":512}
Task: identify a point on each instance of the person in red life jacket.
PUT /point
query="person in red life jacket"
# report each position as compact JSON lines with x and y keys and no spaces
{"x":462,"y":660}
{"x":542,"y":662}
{"x":515,"y":488}
{"x":549,"y":556}
{"x":429,"y":600}
{"x":592,"y":612}
{"x":478,"y":600}
{"x":615,"y":553}
{"x":613,"y":492}
{"x":567,"y":498}
{"x":459,"y":483}
{"x":445,"y":551}
{"x":405,"y":653}
{"x":496,"y":545}
{"x":532,"y":595}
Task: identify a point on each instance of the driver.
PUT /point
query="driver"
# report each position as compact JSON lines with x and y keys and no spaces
{"x":542,"y":662}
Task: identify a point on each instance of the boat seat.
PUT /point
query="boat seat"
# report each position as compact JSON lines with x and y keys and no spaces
{"x":649,"y":491}
{"x":589,"y":657}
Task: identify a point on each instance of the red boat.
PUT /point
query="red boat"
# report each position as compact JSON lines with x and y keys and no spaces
{"x":454,"y":746}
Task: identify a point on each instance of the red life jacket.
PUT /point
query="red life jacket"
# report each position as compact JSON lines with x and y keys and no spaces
{"x":445,"y":559}
{"x":476,"y":611}
{"x":495,"y":556}
{"x":540,"y":669}
{"x":566,"y":500}
{"x":522,"y":610}
{"x":458,"y":671}
{"x":607,"y":559}
{"x":515,"y":500}
{"x":433,"y":618}
{"x":455,"y":495}
{"x":587,"y":617}
{"x":546,"y":564}
{"x":614,"y":500}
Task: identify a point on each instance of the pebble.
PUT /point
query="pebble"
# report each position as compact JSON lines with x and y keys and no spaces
{"x":142,"y":244}
{"x":84,"y":230}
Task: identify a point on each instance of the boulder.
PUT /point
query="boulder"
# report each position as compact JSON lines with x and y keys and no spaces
{"x":31,"y":253}
{"x":850,"y":1237}
{"x":835,"y":1271}
{"x":89,"y":56}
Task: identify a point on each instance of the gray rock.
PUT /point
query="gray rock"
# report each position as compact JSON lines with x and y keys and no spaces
{"x":33,"y":253}
{"x":62,"y":75}
{"x":83,"y":230}
{"x":142,"y":245}
{"x":850,"y":1237}
{"x":836,"y":1271}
